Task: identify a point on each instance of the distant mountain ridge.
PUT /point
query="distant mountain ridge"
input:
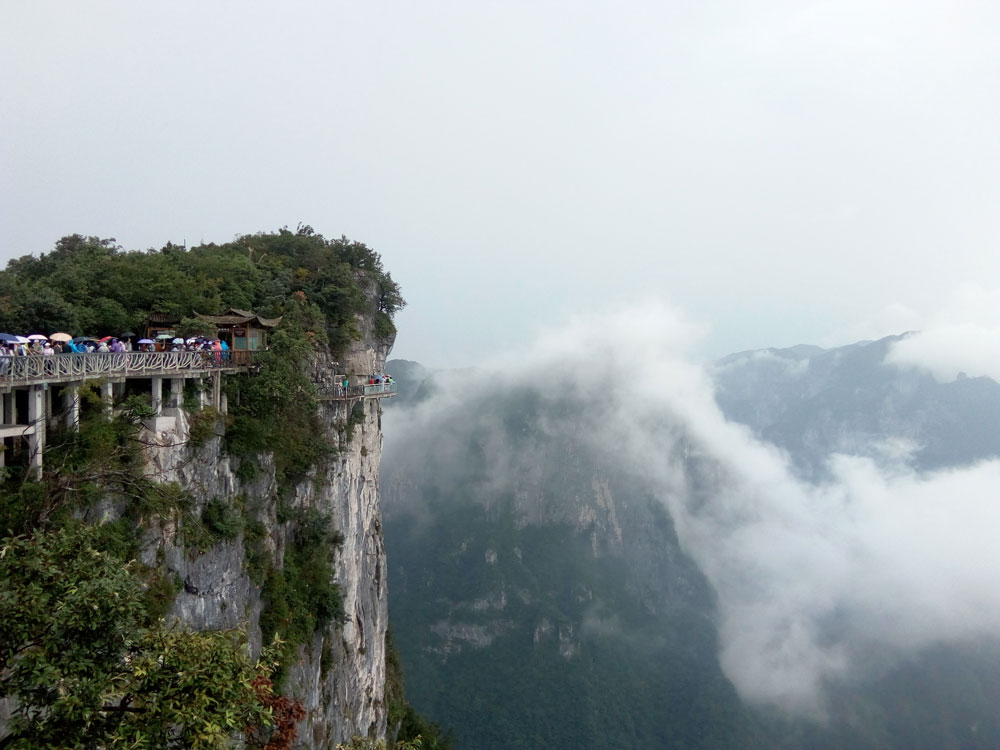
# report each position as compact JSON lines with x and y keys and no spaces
{"x":812,"y":402}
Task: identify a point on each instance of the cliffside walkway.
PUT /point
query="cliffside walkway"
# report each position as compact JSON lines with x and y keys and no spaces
{"x":65,"y":368}
{"x":379,"y":390}
{"x":29,"y":385}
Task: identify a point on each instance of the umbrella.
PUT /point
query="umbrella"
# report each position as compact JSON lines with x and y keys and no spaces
{"x":106,"y":338}
{"x":21,"y":339}
{"x":7,"y":337}
{"x":37,"y":337}
{"x":146,"y":341}
{"x":60,"y":337}
{"x":178,"y":340}
{"x":165,"y":336}
{"x":128,"y":335}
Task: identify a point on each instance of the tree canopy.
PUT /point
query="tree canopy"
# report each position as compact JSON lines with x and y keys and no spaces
{"x":88,"y":285}
{"x":88,"y":669}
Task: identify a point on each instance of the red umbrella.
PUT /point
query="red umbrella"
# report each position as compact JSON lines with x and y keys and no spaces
{"x":106,"y":338}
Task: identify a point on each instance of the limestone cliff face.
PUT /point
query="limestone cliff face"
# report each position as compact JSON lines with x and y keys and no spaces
{"x":340,"y":675}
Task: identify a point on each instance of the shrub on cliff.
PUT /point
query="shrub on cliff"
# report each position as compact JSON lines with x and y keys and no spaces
{"x":88,"y":669}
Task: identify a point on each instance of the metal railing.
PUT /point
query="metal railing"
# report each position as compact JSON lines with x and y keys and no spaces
{"x":360,"y":391}
{"x":68,"y":367}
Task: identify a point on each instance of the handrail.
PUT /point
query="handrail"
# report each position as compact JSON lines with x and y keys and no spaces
{"x":63,"y":367}
{"x":359,"y":391}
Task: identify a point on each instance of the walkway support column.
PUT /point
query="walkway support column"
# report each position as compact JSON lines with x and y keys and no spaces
{"x":5,"y":414}
{"x":176,"y":393}
{"x":156,"y":397}
{"x":71,"y":406}
{"x":36,"y":438}
{"x":217,"y":390}
{"x":107,"y":400}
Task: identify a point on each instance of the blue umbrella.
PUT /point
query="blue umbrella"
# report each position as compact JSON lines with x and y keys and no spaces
{"x":7,"y":337}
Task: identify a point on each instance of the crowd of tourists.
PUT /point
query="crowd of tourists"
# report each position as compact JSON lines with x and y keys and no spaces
{"x":62,"y":343}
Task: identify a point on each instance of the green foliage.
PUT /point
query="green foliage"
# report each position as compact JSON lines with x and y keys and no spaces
{"x":88,"y":668}
{"x":301,"y":596}
{"x":404,"y":723}
{"x":104,"y":457}
{"x":635,"y":675}
{"x":275,"y":409}
{"x":384,"y":327}
{"x":223,"y":520}
{"x":365,"y":743}
{"x":255,"y":552}
{"x":203,"y":426}
{"x":355,"y":418}
{"x":91,"y":285}
{"x":190,"y":326}
{"x":192,"y":395}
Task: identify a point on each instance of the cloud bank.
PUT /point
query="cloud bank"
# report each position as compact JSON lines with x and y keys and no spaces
{"x":963,"y":338}
{"x":812,"y":580}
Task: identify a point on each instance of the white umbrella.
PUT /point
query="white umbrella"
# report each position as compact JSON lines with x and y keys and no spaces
{"x":21,"y":339}
{"x":37,"y":337}
{"x":178,"y":340}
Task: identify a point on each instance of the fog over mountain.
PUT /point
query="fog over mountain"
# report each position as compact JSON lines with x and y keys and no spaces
{"x":821,"y":581}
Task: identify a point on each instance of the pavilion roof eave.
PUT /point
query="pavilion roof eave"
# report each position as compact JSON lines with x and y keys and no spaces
{"x":234,"y":317}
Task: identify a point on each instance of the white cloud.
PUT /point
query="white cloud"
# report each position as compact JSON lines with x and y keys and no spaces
{"x":811,"y":579}
{"x":963,"y":338}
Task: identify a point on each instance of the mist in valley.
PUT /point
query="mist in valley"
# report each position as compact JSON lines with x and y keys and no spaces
{"x":819,"y":584}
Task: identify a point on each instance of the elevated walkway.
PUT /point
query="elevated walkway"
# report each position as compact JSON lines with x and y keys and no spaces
{"x":381,"y":390}
{"x":29,"y":386}
{"x":38,"y":369}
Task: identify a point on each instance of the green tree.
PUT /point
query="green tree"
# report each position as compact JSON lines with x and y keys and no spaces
{"x":87,"y":669}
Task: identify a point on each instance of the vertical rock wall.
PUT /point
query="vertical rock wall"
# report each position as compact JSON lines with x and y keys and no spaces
{"x":344,"y":692}
{"x":340,"y":676}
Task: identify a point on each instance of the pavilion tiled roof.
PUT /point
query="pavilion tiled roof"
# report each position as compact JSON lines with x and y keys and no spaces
{"x":236,"y":317}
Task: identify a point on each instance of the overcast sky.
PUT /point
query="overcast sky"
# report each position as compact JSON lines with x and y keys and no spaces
{"x":781,"y":172}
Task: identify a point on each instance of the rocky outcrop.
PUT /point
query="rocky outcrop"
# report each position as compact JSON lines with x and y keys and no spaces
{"x":340,"y":673}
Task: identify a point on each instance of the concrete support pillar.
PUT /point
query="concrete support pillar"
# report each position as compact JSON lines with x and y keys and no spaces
{"x":224,"y":403}
{"x":36,"y":440}
{"x":217,"y":390}
{"x":176,"y":399}
{"x":4,"y":416}
{"x":203,"y":394}
{"x":156,"y":398}
{"x":71,"y":407}
{"x":48,"y":405}
{"x":107,"y":400}
{"x":10,"y":416}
